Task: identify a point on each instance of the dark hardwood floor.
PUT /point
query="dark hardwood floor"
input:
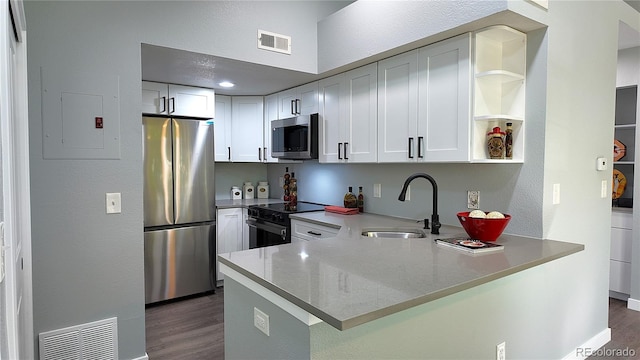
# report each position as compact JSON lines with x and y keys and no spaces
{"x":193,"y":328}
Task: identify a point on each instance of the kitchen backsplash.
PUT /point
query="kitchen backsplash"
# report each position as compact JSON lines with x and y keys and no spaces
{"x":236,"y":174}
{"x":327,"y":184}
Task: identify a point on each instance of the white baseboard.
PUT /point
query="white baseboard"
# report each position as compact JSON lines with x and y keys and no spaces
{"x":593,"y":344}
{"x":633,"y":304}
{"x":145,"y":357}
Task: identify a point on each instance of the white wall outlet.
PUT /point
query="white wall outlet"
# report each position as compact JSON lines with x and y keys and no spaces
{"x":556,"y":194}
{"x":604,"y":189}
{"x":114,"y":202}
{"x":601,"y":164}
{"x":501,"y":351}
{"x":261,"y":321}
{"x":473,"y":199}
{"x":377,"y":190}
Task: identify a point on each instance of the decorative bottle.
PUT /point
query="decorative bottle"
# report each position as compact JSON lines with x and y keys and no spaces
{"x":495,"y":143}
{"x":286,"y":177}
{"x":293,"y":190}
{"x":350,"y":200}
{"x":360,"y":200}
{"x":508,"y":141}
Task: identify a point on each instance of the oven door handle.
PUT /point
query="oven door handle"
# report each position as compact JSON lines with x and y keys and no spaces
{"x":274,"y":229}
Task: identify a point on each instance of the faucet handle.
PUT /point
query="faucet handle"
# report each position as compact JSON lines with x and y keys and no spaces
{"x":426,"y":224}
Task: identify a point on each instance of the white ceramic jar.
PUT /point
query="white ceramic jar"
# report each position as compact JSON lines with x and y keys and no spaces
{"x":262,"y":190}
{"x":247,"y":189}
{"x":236,"y":193}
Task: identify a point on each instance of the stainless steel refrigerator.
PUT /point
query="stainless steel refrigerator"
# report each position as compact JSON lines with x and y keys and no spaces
{"x":179,"y":208}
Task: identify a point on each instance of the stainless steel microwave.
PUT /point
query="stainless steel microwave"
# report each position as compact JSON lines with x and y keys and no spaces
{"x":295,"y":138}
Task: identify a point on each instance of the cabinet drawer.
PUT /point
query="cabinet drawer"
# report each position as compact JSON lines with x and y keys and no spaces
{"x":309,"y":231}
{"x":620,"y":219}
{"x":620,"y":276}
{"x":621,"y":240}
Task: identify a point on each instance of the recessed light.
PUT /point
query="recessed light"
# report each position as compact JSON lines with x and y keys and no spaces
{"x":226,"y":84}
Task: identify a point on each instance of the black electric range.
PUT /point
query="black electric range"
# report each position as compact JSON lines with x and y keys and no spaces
{"x":270,"y":225}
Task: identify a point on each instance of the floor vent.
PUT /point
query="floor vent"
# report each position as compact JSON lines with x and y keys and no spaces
{"x":95,"y":340}
{"x":274,"y":42}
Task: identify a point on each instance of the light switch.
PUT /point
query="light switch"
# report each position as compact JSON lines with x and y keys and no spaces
{"x":114,"y":203}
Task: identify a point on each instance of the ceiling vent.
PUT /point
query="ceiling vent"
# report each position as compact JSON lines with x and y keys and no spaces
{"x":274,"y":42}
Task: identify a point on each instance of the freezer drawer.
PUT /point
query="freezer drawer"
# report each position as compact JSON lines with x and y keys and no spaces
{"x":179,"y":262}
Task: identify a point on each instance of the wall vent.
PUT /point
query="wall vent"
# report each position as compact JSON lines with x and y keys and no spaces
{"x":274,"y":42}
{"x":95,"y":340}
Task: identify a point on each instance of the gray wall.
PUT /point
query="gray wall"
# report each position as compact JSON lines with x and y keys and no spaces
{"x":88,"y":265}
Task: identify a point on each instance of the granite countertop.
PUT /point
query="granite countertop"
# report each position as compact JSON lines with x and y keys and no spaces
{"x":228,"y":203}
{"x":350,"y":279}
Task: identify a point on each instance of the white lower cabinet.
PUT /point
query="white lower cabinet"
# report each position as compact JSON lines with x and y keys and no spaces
{"x":620,"y":258}
{"x":306,"y":231}
{"x":232,"y":232}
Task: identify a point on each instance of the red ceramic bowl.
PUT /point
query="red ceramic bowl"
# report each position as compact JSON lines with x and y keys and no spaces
{"x":483,"y":229}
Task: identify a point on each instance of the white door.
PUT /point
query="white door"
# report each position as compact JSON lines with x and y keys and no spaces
{"x":287,"y":103}
{"x":308,"y":99}
{"x":222,"y":129}
{"x":154,"y":98}
{"x":16,"y":319}
{"x":361,"y":115}
{"x":398,"y":108}
{"x":191,"y":101}
{"x":247,"y":126}
{"x":229,"y":232}
{"x":444,"y":83}
{"x":331,"y":114}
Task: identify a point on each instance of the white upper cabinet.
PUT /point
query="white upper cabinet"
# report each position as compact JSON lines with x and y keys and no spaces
{"x":444,"y":100}
{"x":270,"y":113}
{"x":398,"y":107}
{"x":301,"y":100}
{"x":499,"y":89}
{"x":177,"y":100}
{"x":222,"y":128}
{"x":247,"y":126}
{"x":348,"y":116}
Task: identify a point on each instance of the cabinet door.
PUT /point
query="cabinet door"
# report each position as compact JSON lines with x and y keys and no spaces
{"x":191,"y":101}
{"x":247,"y":126}
{"x":308,"y":96}
{"x":444,"y":97}
{"x":287,"y":103}
{"x":270,"y":113}
{"x":154,"y":98}
{"x":222,"y":128}
{"x":361,"y":115}
{"x":332,"y":93}
{"x":398,"y":108}
{"x":229,"y":232}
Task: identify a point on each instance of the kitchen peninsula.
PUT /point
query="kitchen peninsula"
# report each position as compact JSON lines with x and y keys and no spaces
{"x":358,"y":297}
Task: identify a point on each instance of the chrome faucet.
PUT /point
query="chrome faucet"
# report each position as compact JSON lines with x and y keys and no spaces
{"x":435,"y":219}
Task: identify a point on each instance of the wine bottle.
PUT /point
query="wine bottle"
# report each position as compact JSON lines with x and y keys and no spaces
{"x":350,"y":200}
{"x":360,"y":200}
{"x":286,"y":184}
{"x":508,"y":141}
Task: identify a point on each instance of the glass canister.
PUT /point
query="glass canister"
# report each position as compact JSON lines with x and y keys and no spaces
{"x":262,"y":190}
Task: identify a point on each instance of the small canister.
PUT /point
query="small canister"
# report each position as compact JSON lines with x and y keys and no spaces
{"x":263,"y":190}
{"x":247,"y":189}
{"x":236,"y":193}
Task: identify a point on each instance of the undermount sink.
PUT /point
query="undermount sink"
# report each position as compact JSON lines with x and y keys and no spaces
{"x":394,"y":233}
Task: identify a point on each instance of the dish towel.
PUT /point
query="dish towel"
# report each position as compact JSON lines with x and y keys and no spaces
{"x":341,"y":210}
